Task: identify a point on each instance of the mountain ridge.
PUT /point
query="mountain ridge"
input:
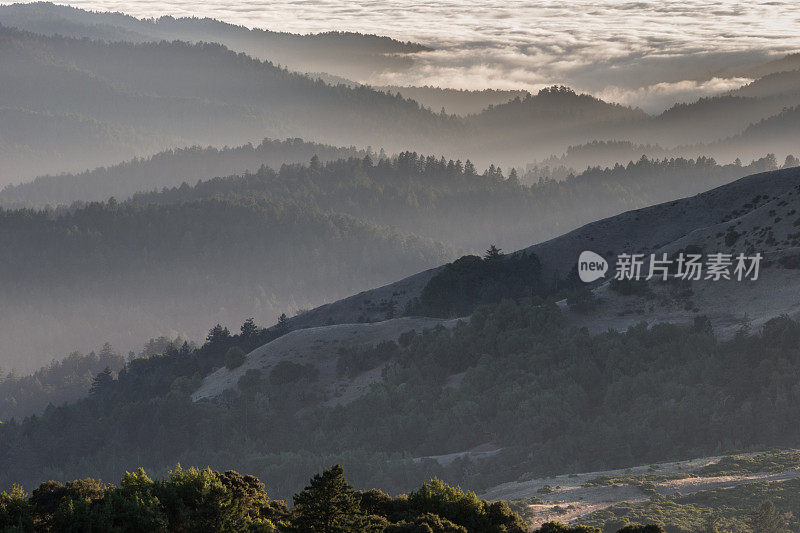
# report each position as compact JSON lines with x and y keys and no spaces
{"x":629,"y":232}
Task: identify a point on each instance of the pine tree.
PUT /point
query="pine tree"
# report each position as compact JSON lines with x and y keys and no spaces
{"x":282,"y":324}
{"x":493,"y":253}
{"x":249,"y":328}
{"x":328,"y":505}
{"x":107,"y":351}
{"x":101,"y":382}
{"x":469,"y":168}
{"x":217,"y":333}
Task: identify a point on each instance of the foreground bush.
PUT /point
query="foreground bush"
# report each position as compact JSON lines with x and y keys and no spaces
{"x":205,"y":500}
{"x":194,"y":500}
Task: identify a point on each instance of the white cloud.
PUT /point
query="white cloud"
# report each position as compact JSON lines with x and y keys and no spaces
{"x":637,"y":50}
{"x":658,"y":96}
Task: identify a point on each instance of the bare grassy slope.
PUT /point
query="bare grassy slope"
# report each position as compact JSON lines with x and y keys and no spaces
{"x":319,"y":346}
{"x":761,"y":215}
{"x":648,"y":229}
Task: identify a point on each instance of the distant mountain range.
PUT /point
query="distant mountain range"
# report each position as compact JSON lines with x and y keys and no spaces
{"x":455,"y":101}
{"x":176,"y":94}
{"x":71,"y":104}
{"x":166,"y":169}
{"x":351,"y":55}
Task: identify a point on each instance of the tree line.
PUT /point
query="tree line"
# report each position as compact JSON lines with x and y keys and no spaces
{"x":195,"y":500}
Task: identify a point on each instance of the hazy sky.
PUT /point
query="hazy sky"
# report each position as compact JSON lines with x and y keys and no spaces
{"x":646,"y":53}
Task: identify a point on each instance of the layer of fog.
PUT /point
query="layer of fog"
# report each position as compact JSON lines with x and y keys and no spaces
{"x":639,"y":53}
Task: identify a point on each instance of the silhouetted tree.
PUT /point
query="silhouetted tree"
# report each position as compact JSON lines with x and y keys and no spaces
{"x":469,"y":168}
{"x":107,"y":351}
{"x":493,"y":252}
{"x":249,"y":328}
{"x":101,"y":382}
{"x":282,"y":325}
{"x":218,"y":333}
{"x":327,"y":505}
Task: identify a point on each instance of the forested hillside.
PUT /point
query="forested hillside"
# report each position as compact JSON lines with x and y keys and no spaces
{"x":778,"y":132}
{"x":594,"y":154}
{"x":422,"y":194}
{"x":549,"y":121}
{"x":717,"y":117}
{"x":169,"y":268}
{"x":780,"y":83}
{"x":177,"y":94}
{"x":636,"y":397}
{"x":455,"y":101}
{"x":545,"y":252}
{"x":347,"y":54}
{"x":165,"y":169}
{"x":455,"y":203}
{"x":64,"y":381}
{"x":271,"y":242}
{"x":40,"y":141}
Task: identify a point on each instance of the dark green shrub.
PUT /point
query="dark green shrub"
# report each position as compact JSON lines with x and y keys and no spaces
{"x":581,"y":300}
{"x":630,"y":287}
{"x":251,"y":380}
{"x":234,"y":358}
{"x":290,"y":372}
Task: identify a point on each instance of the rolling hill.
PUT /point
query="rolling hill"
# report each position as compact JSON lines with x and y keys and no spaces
{"x":140,"y":98}
{"x":763,"y":211}
{"x":422,"y":194}
{"x":166,"y":169}
{"x":351,"y":55}
{"x":479,"y":400}
{"x":454,"y":101}
{"x":158,"y":263}
{"x":173,"y":94}
{"x":762,"y":208}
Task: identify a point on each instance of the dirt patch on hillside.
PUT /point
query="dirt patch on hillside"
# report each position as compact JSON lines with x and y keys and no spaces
{"x":566,"y":499}
{"x":484,"y":451}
